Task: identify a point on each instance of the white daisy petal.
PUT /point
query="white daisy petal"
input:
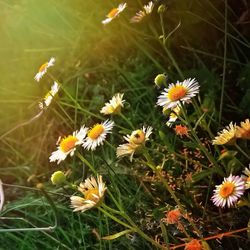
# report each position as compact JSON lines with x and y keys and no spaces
{"x":178,"y":92}
{"x":114,"y":13}
{"x":97,"y":135}
{"x":135,"y":141}
{"x":93,"y":191}
{"x":67,"y":145}
{"x":114,"y":105}
{"x":43,"y":69}
{"x":228,"y":193}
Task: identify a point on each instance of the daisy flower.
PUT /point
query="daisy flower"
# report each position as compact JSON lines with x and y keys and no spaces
{"x":244,"y":130}
{"x":93,"y":192}
{"x":43,"y":69}
{"x":181,"y":130}
{"x":227,"y":193}
{"x":147,"y":9}
{"x":135,"y":141}
{"x":193,"y":245}
{"x":226,"y":136}
{"x":68,"y":144}
{"x":173,"y":116}
{"x":178,"y":92}
{"x":114,"y":105}
{"x":49,"y":96}
{"x":127,"y":149}
{"x":114,"y":13}
{"x":246,"y":177}
{"x":97,"y":134}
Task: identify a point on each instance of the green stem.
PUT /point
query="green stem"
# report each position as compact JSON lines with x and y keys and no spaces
{"x":224,"y":64}
{"x":165,"y":47}
{"x":86,"y":162}
{"x":115,"y":218}
{"x":126,"y":120}
{"x":169,"y":189}
{"x":203,"y":149}
{"x":242,"y":151}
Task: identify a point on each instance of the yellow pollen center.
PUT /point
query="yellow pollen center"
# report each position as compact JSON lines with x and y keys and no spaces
{"x":68,"y":143}
{"x":47,"y":95}
{"x":96,"y":131}
{"x":113,"y":13}
{"x":248,"y":179}
{"x":176,"y":93}
{"x":227,"y":189}
{"x":138,"y":137}
{"x":43,"y":67}
{"x":91,"y":194}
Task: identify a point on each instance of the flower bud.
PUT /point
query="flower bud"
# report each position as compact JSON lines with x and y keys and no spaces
{"x":58,"y":178}
{"x":161,"y":8}
{"x":160,"y":80}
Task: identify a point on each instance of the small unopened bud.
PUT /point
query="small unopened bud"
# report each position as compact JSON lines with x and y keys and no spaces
{"x":58,"y":178}
{"x":160,"y":80}
{"x":161,"y":8}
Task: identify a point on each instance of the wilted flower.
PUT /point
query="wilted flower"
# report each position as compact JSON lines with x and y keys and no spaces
{"x":43,"y":69}
{"x":147,"y":9}
{"x":135,"y":141}
{"x":97,"y":134}
{"x":173,"y":216}
{"x":244,"y":130}
{"x":58,"y":178}
{"x":226,"y":136}
{"x":227,"y":193}
{"x":193,"y":245}
{"x":93,"y":192}
{"x":49,"y":96}
{"x":181,"y":130}
{"x":114,"y":13}
{"x":114,"y":105}
{"x":178,"y":92}
{"x":68,"y":144}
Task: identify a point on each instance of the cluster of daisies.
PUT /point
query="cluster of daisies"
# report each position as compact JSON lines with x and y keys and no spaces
{"x":93,"y":191}
{"x":170,"y":99}
{"x":146,"y":10}
{"x":232,"y":188}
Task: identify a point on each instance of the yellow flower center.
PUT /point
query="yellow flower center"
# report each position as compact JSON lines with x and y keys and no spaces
{"x":227,"y":189}
{"x":248,"y":179}
{"x":113,"y":13}
{"x":177,"y":92}
{"x":114,"y":110}
{"x":43,"y":67}
{"x":96,"y":131}
{"x":47,"y":95}
{"x":68,"y":143}
{"x":137,"y":137}
{"x":91,"y":195}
